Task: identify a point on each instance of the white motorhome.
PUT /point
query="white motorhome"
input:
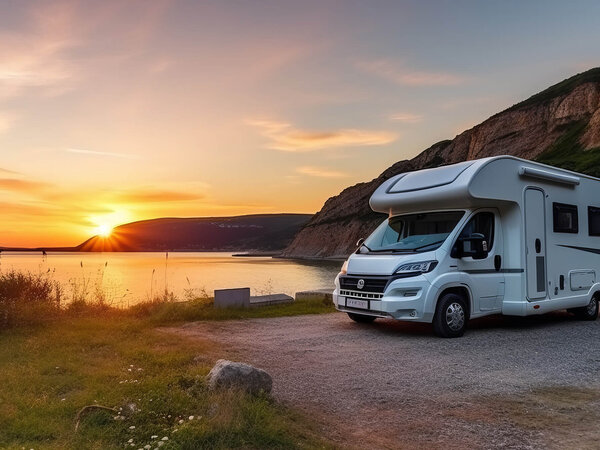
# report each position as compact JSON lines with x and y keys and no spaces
{"x":499,"y":235}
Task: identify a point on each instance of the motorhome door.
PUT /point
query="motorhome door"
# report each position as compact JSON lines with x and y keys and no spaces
{"x":535,"y":243}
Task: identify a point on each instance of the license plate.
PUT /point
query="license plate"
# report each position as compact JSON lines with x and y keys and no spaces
{"x":354,"y":303}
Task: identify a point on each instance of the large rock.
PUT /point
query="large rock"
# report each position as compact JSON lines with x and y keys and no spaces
{"x":234,"y":375}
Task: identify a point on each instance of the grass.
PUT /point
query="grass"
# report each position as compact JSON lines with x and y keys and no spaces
{"x":568,"y":153}
{"x":56,"y":359}
{"x":33,"y":299}
{"x":163,"y":313}
{"x":50,"y":372}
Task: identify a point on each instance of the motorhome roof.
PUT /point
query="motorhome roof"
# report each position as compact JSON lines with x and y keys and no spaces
{"x":468,"y":184}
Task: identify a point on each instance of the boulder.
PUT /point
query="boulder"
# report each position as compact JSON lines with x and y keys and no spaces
{"x":234,"y":375}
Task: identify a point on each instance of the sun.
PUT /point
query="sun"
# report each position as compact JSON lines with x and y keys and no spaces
{"x":104,"y":230}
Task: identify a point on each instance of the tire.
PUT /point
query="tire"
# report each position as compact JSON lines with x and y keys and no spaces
{"x":360,"y":318}
{"x":451,"y":315}
{"x":589,"y":312}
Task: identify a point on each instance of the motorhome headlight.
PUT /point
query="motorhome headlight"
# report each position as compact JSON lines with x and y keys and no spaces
{"x":416,"y":268}
{"x":344,"y":269}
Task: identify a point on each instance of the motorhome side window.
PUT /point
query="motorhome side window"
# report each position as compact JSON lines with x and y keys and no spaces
{"x":482,"y":223}
{"x":565,"y":218}
{"x":594,"y":221}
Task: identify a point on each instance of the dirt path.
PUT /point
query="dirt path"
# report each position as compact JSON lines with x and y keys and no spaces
{"x":508,"y":383}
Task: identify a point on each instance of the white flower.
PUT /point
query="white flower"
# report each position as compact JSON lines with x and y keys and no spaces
{"x":191,"y":417}
{"x":132,"y":427}
{"x":154,"y":436}
{"x":165,"y":439}
{"x":130,"y":440}
{"x":180,"y":421}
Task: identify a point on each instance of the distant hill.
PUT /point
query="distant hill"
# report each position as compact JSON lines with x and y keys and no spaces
{"x":261,"y":232}
{"x":559,"y":126}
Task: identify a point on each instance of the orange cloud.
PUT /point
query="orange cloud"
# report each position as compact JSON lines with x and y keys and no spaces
{"x":97,"y":153}
{"x":397,"y":73}
{"x":319,"y":172}
{"x":22,"y":186}
{"x":407,"y":117}
{"x":286,"y":138}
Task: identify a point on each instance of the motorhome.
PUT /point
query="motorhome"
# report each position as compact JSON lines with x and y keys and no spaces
{"x":498,"y":235}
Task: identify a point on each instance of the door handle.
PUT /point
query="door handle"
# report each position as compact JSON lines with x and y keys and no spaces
{"x":497,"y":262}
{"x":538,"y":246}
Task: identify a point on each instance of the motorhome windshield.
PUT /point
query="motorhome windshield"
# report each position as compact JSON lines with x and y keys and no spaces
{"x":413,"y":232}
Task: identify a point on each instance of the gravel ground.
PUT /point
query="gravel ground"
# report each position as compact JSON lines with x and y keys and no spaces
{"x":508,"y":383}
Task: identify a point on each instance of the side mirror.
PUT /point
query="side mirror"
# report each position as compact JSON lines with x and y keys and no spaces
{"x":360,"y":242}
{"x":479,"y":247}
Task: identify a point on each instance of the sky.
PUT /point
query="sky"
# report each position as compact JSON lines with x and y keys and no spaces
{"x":117,"y":111}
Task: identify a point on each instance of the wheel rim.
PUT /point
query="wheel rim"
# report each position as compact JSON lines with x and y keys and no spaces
{"x":591,"y":307}
{"x":455,"y":316}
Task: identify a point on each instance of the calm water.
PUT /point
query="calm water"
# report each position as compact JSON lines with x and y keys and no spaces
{"x":127,"y":278}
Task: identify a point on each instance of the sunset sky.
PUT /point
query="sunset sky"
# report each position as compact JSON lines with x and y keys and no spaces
{"x":118,"y":111}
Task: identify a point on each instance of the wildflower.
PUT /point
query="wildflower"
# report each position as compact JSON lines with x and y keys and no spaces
{"x":180,"y":421}
{"x":165,"y":438}
{"x":191,"y":417}
{"x":154,"y":436}
{"x":130,"y":441}
{"x":132,"y":427}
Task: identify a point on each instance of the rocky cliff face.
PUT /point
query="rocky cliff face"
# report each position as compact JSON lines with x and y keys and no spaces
{"x":559,"y":126}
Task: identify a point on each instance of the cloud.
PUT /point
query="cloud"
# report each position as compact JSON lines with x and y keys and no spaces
{"x":157,"y":196}
{"x":285,"y":137}
{"x":406,"y":117}
{"x":399,"y":74}
{"x":35,"y":56}
{"x":320,"y":172}
{"x":96,"y":153}
{"x":22,"y":186}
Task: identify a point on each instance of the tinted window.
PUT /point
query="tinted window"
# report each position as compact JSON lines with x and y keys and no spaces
{"x":594,"y":221}
{"x":565,"y":218}
{"x":482,"y":223}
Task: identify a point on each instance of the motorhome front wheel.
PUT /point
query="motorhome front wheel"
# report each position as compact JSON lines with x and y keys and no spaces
{"x":451,"y":316}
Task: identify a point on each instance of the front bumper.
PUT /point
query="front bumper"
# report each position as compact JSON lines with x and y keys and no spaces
{"x":403,"y":299}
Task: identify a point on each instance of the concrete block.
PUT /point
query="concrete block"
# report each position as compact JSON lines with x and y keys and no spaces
{"x":229,"y":298}
{"x":272,"y":299}
{"x":323,"y":294}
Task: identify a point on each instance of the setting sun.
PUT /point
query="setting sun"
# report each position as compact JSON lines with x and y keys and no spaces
{"x":104,"y":230}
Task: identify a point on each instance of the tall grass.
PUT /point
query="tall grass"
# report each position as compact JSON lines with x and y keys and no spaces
{"x":32,"y":299}
{"x":26,"y":298}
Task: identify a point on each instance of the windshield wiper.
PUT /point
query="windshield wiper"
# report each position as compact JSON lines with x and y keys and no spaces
{"x":428,"y":245}
{"x":392,"y":250}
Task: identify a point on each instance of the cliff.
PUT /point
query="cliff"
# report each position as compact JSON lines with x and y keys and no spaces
{"x":558,"y":126}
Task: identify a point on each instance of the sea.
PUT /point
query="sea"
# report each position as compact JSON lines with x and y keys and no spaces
{"x":123,"y":279}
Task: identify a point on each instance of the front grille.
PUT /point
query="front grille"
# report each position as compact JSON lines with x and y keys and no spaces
{"x":370,"y":284}
{"x":361,"y":295}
